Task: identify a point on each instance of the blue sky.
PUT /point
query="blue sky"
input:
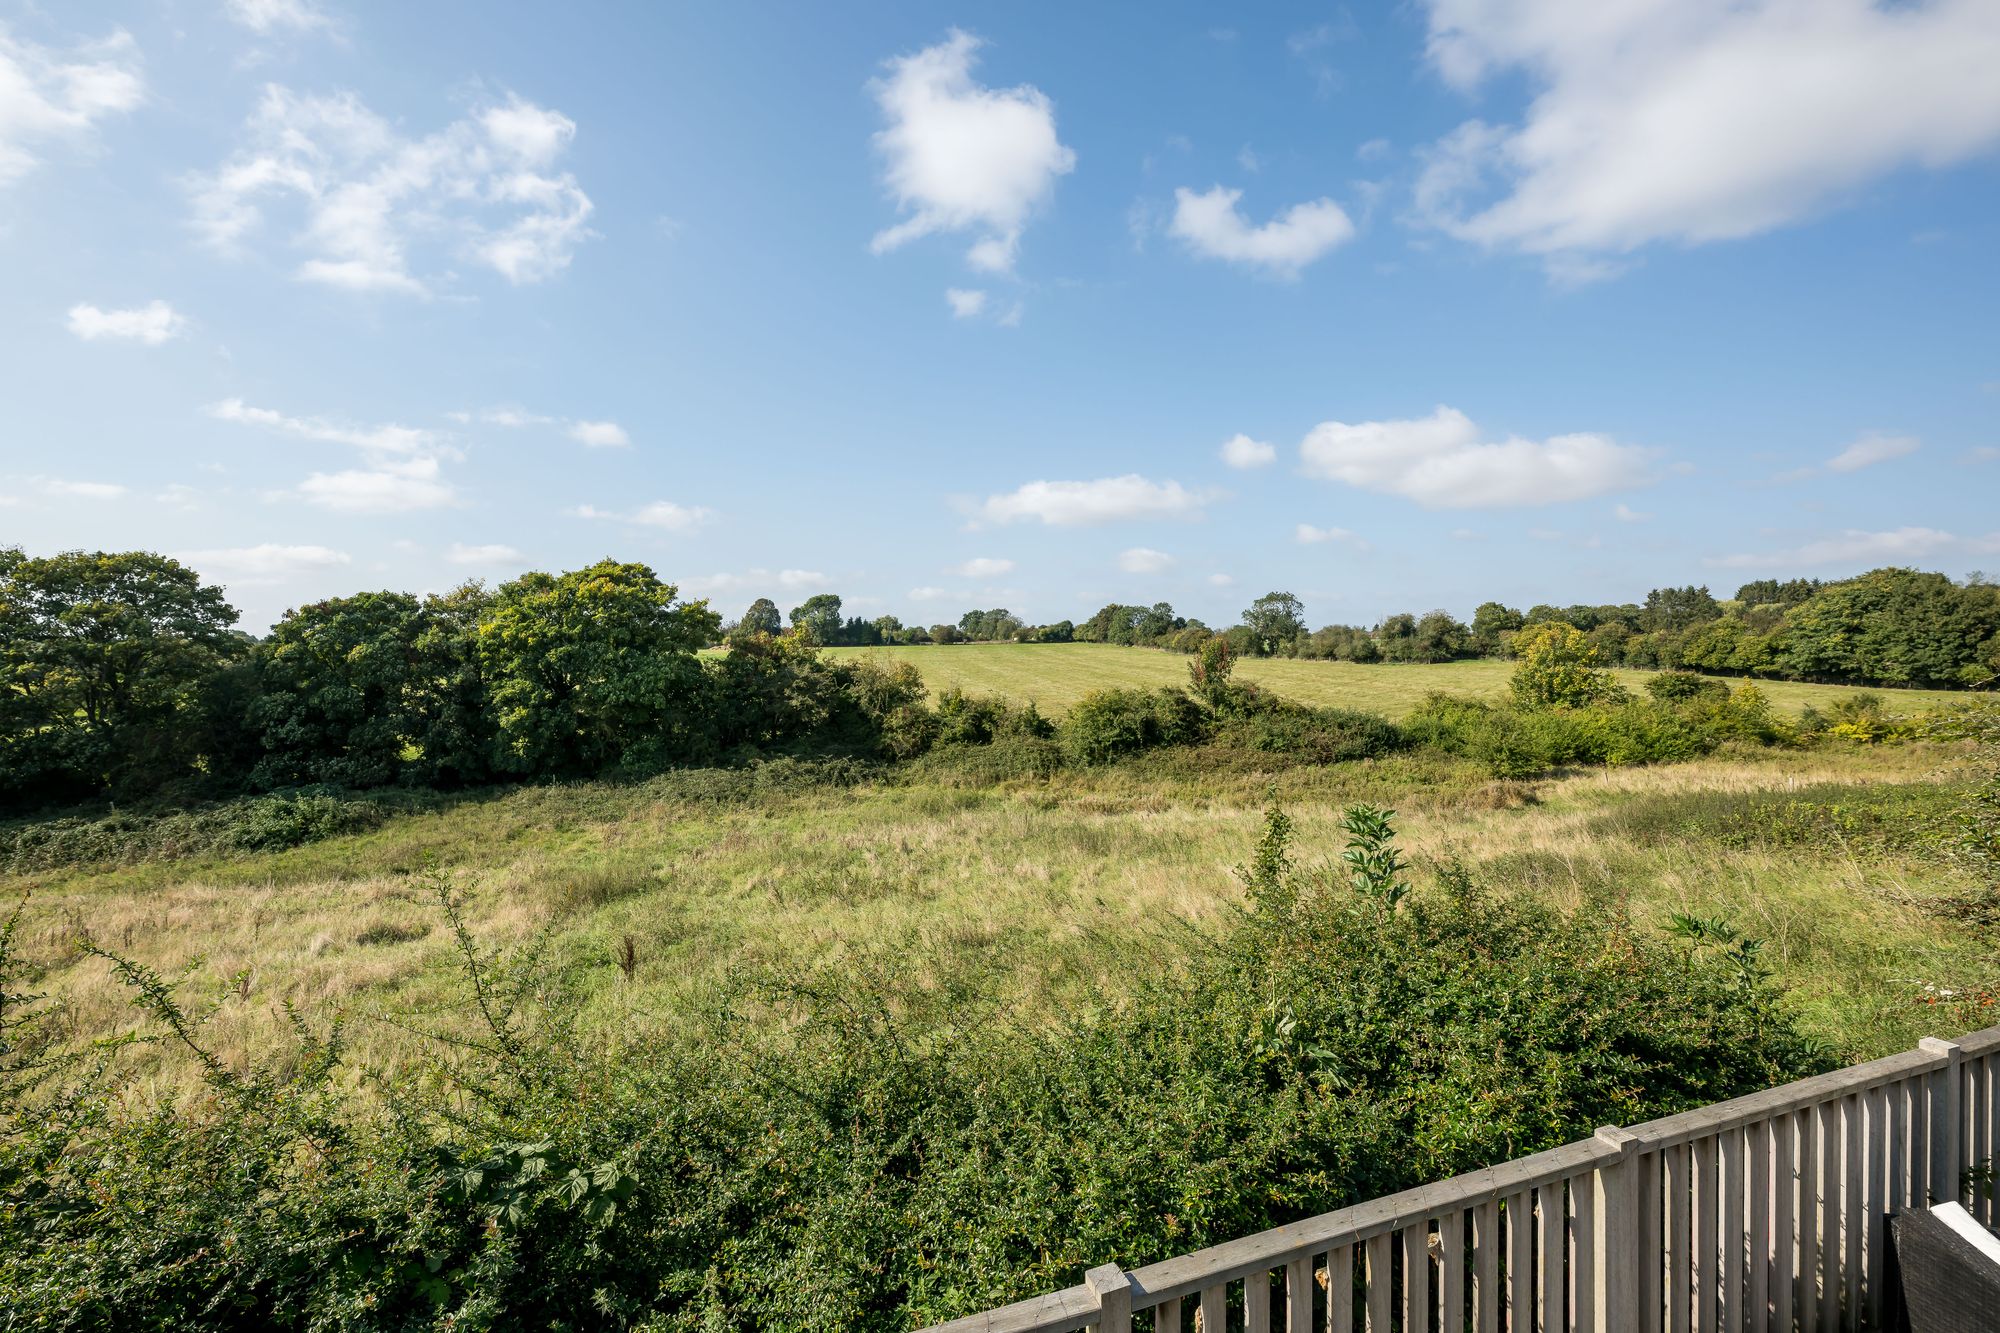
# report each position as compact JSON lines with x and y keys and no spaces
{"x":941,"y":306}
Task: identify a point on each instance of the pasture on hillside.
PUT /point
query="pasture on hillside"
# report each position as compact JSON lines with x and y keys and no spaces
{"x":1053,"y":676}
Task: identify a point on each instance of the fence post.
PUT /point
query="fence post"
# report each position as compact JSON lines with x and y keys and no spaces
{"x":1614,"y":1289}
{"x":1946,"y":1112}
{"x":1114,"y":1298}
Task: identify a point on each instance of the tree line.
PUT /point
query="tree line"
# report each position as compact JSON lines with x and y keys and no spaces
{"x":124,"y":675}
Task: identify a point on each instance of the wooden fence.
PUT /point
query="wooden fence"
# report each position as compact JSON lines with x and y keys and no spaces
{"x":1765,"y":1213}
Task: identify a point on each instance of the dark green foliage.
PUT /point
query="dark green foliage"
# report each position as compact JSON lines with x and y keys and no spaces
{"x":865,"y":1164}
{"x":1109,"y":723}
{"x":1253,"y":720}
{"x":258,"y":824}
{"x":1892,"y":627}
{"x":1677,"y":686}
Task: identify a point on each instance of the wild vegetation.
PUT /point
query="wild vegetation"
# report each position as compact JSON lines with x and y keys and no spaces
{"x":506,"y":960}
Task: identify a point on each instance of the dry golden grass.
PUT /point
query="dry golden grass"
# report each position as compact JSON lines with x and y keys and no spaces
{"x":1028,"y":894}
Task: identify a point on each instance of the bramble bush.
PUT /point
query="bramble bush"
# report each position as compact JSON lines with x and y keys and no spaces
{"x":867,"y":1161}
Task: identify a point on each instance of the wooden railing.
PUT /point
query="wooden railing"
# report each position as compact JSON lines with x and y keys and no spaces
{"x":1762,"y":1213}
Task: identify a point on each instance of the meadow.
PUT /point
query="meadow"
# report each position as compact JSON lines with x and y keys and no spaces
{"x":1054,"y":676}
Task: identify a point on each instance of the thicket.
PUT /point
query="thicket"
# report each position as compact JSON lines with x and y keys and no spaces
{"x":862,"y":1163}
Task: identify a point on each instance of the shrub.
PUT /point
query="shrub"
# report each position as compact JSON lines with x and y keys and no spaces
{"x":1109,"y":723}
{"x":1678,"y":686}
{"x":1558,"y":669}
{"x":1309,"y":735}
{"x":259,"y":824}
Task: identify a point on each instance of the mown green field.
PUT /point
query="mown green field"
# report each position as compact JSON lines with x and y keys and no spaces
{"x":1055,"y":675}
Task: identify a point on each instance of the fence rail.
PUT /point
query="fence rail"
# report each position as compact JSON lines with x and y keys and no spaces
{"x":1764,"y":1214}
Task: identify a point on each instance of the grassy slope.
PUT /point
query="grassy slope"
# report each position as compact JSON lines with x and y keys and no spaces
{"x":1015,"y":895}
{"x":1056,"y":675}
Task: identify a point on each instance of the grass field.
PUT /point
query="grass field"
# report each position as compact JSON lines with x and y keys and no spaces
{"x":1014,"y":897}
{"x":1053,"y":676}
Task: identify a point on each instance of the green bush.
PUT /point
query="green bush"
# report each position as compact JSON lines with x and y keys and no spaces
{"x":259,"y":824}
{"x":1676,"y":686}
{"x":1109,"y":723}
{"x":1309,"y":735}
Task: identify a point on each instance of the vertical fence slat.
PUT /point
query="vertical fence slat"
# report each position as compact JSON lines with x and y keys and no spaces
{"x":1549,"y":1254}
{"x":1583,"y":1253}
{"x":1784,"y":1219}
{"x":1853,"y":1204}
{"x":1729,"y":1160}
{"x":1874,"y":1185}
{"x":1705,"y":1251}
{"x":1167,"y":1316}
{"x":1832,"y":1159}
{"x":1299,"y":1296}
{"x":1257,"y":1302}
{"x":1810,"y":1152}
{"x":1451,"y":1271}
{"x":1647,"y":1235}
{"x":1680,"y":1250}
{"x":1417,"y":1277}
{"x":1486,"y":1301}
{"x":1340,"y":1290}
{"x":1757,"y":1163}
{"x":1215,"y":1309}
{"x":1945,"y":1093}
{"x":1984,"y":1201}
{"x":1520,"y":1263}
{"x":1380,"y":1286}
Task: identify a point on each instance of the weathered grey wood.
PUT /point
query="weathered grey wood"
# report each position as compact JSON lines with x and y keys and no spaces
{"x":1729,"y":1161}
{"x":1785,"y":1212}
{"x":1257,"y":1302}
{"x":1451,"y":1271}
{"x":1582,"y":1285}
{"x":1299,"y":1296}
{"x":1551,"y":1257}
{"x":1214,"y":1312}
{"x":1874,"y":1184}
{"x":1809,"y":1219}
{"x":1787,"y":1097}
{"x":1057,"y":1312}
{"x":1706,"y":1251}
{"x":1984,"y":1199}
{"x":1486,"y":1246}
{"x":1758,"y":1232}
{"x":1680,"y":1252}
{"x":1647,"y":1252}
{"x":1520,"y":1263}
{"x":1108,"y":1285}
{"x":1944,"y":1118}
{"x":1167,"y":1316}
{"x":1417,"y":1303}
{"x":1832,"y":1158}
{"x":1340,"y":1290}
{"x":1381,"y":1284}
{"x":1853,"y":1199}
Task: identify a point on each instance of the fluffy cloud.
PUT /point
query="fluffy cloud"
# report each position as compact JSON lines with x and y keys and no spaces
{"x":268,"y":16}
{"x":1857,"y":547}
{"x":929,"y":593}
{"x":48,"y":96}
{"x":390,"y":439}
{"x":1220,"y":580}
{"x":64,"y":489}
{"x":1441,"y":462}
{"x":600,"y":434}
{"x":1872,"y":448}
{"x":369,"y":195}
{"x":1240,"y":451}
{"x":1107,"y":500}
{"x":961,"y":157}
{"x":659,"y":514}
{"x":250,"y":566}
{"x":758,"y":580}
{"x":982,"y":567}
{"x":1144,"y":560}
{"x":151,"y":324}
{"x":1699,"y":120}
{"x":964,"y":304}
{"x":1211,"y":225}
{"x":404,"y":463}
{"x":490,"y":554}
{"x":1308,"y":535}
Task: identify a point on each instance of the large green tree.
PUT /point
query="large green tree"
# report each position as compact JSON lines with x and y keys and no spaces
{"x":595,"y":669}
{"x":337,"y":698}
{"x":103,"y":657}
{"x":1893,"y":627}
{"x":1274,"y":619}
{"x":819,"y":617}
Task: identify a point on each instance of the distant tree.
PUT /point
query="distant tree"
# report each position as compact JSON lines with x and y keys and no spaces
{"x":447,"y":703}
{"x":1679,"y":608}
{"x":1489,"y":622}
{"x":819,"y":618}
{"x":593,"y":670}
{"x":1770,"y":592}
{"x":1210,"y":670}
{"x":1060,"y":632}
{"x":337,"y":695}
{"x":1893,"y":627}
{"x":103,"y":658}
{"x":1396,"y":636}
{"x":1559,"y":669}
{"x":1441,"y":638}
{"x":1273,"y":619}
{"x":888,"y":629}
{"x":761,"y":618}
{"x":946,"y":634}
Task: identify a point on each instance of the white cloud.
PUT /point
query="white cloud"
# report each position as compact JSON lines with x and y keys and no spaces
{"x":1144,"y":560}
{"x":1220,"y":580}
{"x":964,"y":304}
{"x":962,"y":157}
{"x":392,"y":486}
{"x":1856,"y":547}
{"x":1872,"y":448}
{"x":982,"y":567}
{"x":759,"y":580}
{"x":484,"y":184}
{"x":1240,"y":451}
{"x":511,"y":417}
{"x":929,"y":593}
{"x":151,"y":324}
{"x":1212,"y":225}
{"x":268,"y":16}
{"x":659,"y":514}
{"x":252,"y":566}
{"x":1308,"y":535}
{"x":1699,"y":120}
{"x":80,"y":490}
{"x":1627,"y":514}
{"x":48,"y":96}
{"x":1107,"y":500}
{"x":600,"y":434}
{"x":491,"y":554}
{"x":1441,"y":462}
{"x":389,"y":439}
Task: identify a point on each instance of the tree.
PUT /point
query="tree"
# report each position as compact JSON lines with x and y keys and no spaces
{"x":819,"y":618}
{"x":1558,"y":669}
{"x":1275,"y":618}
{"x":1210,"y":670}
{"x":103,"y":657}
{"x":1489,"y":622}
{"x":1679,"y":608}
{"x":595,"y":669}
{"x":761,"y":618}
{"x":336,"y":697}
{"x":1441,"y":638}
{"x":1892,"y":627}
